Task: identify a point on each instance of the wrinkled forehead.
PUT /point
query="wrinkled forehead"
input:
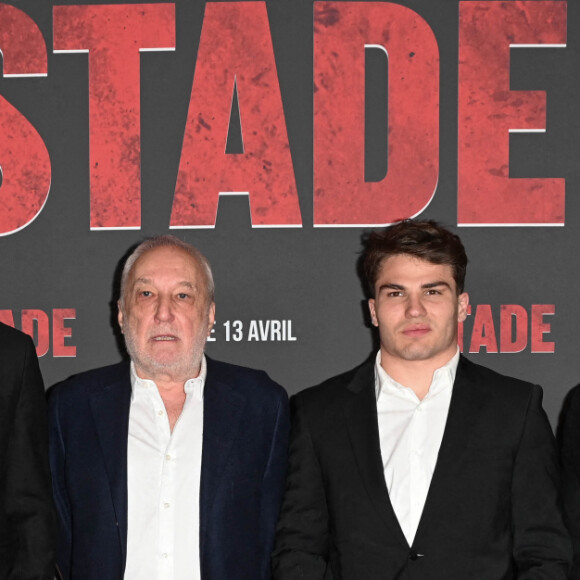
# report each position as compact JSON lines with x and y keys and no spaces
{"x":167,"y":263}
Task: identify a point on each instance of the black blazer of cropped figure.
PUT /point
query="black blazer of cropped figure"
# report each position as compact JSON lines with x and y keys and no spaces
{"x":26,"y":508}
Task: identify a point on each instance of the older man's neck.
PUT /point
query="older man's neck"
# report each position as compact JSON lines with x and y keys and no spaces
{"x":171,"y":387}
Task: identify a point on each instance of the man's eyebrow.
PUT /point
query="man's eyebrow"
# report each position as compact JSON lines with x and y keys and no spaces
{"x":142,"y":281}
{"x":185,"y":283}
{"x":427,"y":286}
{"x":391,"y":286}
{"x":435,"y":284}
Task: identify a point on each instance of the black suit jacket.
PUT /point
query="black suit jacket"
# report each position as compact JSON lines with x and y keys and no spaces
{"x":492,"y":508}
{"x":245,"y":439}
{"x":569,"y":439}
{"x":26,"y":511}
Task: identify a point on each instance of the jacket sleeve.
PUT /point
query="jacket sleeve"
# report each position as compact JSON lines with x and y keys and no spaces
{"x":301,"y":550}
{"x":273,"y":482}
{"x":57,"y":462}
{"x":569,"y":439}
{"x":28,"y":490}
{"x":541,"y":545}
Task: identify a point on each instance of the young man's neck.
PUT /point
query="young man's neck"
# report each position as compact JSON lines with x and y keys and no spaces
{"x":417,"y":375}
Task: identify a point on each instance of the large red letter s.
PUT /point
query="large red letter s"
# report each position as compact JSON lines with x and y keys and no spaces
{"x":24,"y":159}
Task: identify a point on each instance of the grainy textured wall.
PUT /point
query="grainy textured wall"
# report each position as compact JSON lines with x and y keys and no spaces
{"x":110,"y":144}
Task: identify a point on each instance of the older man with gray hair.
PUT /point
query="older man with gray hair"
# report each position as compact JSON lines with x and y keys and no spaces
{"x":170,"y":465}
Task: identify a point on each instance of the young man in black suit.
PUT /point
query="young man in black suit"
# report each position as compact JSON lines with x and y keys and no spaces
{"x":26,"y":509}
{"x":419,"y":463}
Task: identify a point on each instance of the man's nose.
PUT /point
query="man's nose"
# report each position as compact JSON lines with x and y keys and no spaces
{"x":415,"y":307}
{"x":164,"y":310}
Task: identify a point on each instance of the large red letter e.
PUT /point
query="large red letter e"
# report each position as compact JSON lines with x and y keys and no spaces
{"x":489,"y":110}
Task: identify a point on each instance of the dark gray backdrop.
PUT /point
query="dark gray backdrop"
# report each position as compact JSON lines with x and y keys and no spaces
{"x":306,"y":275}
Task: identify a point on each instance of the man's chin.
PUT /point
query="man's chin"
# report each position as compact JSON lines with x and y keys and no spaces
{"x":424,"y":352}
{"x":417,"y":352}
{"x":168,"y":363}
{"x":155,"y":366}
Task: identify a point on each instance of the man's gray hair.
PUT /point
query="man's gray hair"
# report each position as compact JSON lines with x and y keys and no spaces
{"x":170,"y":241}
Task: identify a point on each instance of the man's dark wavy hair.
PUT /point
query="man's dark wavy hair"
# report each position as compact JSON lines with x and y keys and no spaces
{"x":426,"y":240}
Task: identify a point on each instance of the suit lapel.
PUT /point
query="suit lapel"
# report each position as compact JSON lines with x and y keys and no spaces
{"x":222,"y":411}
{"x":362,"y":423}
{"x":110,"y":407}
{"x":464,"y":410}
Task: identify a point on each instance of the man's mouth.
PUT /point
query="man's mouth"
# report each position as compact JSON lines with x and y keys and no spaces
{"x":164,"y":337}
{"x":416,"y":331}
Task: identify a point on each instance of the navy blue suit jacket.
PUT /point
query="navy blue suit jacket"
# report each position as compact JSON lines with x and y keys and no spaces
{"x":245,"y":439}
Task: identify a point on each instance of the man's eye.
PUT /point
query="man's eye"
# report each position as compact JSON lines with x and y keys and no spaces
{"x":182,"y":295}
{"x":433,"y":292}
{"x":395,"y":293}
{"x":146,"y":293}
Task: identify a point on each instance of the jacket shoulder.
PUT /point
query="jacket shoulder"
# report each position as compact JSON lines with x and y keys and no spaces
{"x":16,"y":352}
{"x":11,"y":335}
{"x":336,"y":387}
{"x":81,"y":384}
{"x":14,"y":345}
{"x":244,"y":379}
{"x":507,"y":388}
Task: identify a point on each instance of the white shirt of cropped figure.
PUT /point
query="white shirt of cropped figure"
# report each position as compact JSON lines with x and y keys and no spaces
{"x":410,"y":433}
{"x":163,"y":480}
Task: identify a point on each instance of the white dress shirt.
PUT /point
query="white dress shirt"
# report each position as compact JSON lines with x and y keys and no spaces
{"x":410,"y":432}
{"x":163,"y":478}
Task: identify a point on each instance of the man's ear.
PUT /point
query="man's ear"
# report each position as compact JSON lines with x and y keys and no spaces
{"x":373,"y":312}
{"x":210,"y":318}
{"x":119,"y":315}
{"x":462,"y":304}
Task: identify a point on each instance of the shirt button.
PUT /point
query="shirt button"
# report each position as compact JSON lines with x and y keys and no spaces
{"x":160,"y":412}
{"x":164,"y":554}
{"x":168,"y":457}
{"x":166,"y":505}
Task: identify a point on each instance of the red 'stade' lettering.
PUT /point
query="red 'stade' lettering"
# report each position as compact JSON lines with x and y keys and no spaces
{"x":22,"y":44}
{"x":488,"y":110}
{"x":60,"y":332}
{"x":113,"y":36}
{"x":341,"y":31}
{"x":39,"y":319}
{"x":6,"y":317}
{"x":538,"y":328}
{"x":483,"y":334}
{"x":24,"y":159}
{"x":513,"y":314}
{"x":235,"y":48}
{"x":513,"y":329}
{"x":36,"y":323}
